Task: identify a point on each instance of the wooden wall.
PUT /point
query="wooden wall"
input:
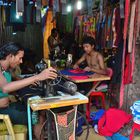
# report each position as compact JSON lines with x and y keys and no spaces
{"x":32,"y":38}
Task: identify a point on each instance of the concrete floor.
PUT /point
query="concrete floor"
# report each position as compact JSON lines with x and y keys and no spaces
{"x":94,"y":136}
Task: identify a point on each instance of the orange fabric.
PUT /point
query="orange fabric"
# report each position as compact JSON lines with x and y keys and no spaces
{"x":48,"y":27}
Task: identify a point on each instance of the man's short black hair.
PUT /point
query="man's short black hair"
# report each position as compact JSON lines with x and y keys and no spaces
{"x":89,"y":40}
{"x":10,"y":48}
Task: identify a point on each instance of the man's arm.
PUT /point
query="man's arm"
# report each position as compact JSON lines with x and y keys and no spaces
{"x":49,"y":73}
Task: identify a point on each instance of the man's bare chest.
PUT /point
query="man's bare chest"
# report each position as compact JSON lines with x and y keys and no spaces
{"x":92,"y":61}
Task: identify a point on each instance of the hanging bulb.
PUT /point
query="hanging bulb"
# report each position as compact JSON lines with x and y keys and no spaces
{"x":69,"y":8}
{"x":79,"y":5}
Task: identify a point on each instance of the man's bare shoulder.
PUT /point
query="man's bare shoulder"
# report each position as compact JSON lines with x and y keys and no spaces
{"x":99,"y":55}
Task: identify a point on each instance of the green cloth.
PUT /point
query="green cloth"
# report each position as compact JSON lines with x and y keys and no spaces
{"x":8,"y":77}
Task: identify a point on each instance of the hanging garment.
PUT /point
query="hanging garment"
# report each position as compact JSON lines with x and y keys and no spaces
{"x":38,"y":11}
{"x":3,"y":18}
{"x":47,"y":31}
{"x":134,"y":40}
{"x":116,"y":24}
{"x":127,"y":70}
{"x":131,"y":27}
{"x":69,"y":21}
{"x":108,"y":31}
{"x":122,"y":9}
{"x":130,"y":57}
{"x":127,"y":6}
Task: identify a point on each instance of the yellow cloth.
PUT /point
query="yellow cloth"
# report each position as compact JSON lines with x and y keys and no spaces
{"x":47,"y":32}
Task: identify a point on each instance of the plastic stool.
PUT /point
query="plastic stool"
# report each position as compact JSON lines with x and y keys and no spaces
{"x":91,"y":96}
{"x":135,"y":126}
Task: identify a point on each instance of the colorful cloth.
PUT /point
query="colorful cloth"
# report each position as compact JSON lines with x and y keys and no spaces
{"x":72,"y":72}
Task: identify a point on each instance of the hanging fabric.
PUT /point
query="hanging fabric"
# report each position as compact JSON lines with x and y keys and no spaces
{"x":131,"y":27}
{"x":47,"y":31}
{"x":69,"y":21}
{"x":122,"y":9}
{"x":3,"y":17}
{"x":116,"y":23}
{"x":101,"y":11}
{"x":134,"y":40}
{"x":129,"y":61}
{"x":55,"y":7}
{"x":38,"y":11}
{"x":127,"y":6}
{"x":108,"y":28}
{"x":90,"y":6}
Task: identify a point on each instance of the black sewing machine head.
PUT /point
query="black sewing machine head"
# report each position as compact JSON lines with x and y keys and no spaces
{"x":59,"y":84}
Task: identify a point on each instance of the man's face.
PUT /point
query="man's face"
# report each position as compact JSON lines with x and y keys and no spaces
{"x":88,"y":48}
{"x":16,"y":59}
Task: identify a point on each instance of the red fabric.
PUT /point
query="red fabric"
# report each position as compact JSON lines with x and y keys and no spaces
{"x":50,"y":3}
{"x":112,"y":121}
{"x":127,"y":7}
{"x":77,"y":71}
{"x":78,"y":77}
{"x":128,"y":70}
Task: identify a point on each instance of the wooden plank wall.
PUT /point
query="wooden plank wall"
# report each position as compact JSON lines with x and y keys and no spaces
{"x":32,"y":38}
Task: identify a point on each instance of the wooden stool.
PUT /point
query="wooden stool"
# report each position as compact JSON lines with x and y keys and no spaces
{"x":135,"y":126}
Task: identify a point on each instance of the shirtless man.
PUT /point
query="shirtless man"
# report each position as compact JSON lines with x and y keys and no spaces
{"x":93,"y":58}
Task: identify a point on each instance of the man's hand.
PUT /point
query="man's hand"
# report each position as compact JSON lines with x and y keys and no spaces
{"x":75,"y":66}
{"x":87,"y":69}
{"x":49,"y":73}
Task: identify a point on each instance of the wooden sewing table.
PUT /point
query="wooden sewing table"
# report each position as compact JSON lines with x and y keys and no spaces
{"x":53,"y":102}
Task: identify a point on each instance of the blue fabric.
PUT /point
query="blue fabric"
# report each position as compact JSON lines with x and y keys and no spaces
{"x":117,"y":136}
{"x":97,"y":115}
{"x":81,"y":122}
{"x":67,"y":72}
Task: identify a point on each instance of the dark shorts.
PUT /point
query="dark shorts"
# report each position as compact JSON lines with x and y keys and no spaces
{"x":17,"y":113}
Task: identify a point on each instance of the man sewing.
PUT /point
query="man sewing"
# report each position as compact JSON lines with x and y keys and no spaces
{"x":94,"y":60}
